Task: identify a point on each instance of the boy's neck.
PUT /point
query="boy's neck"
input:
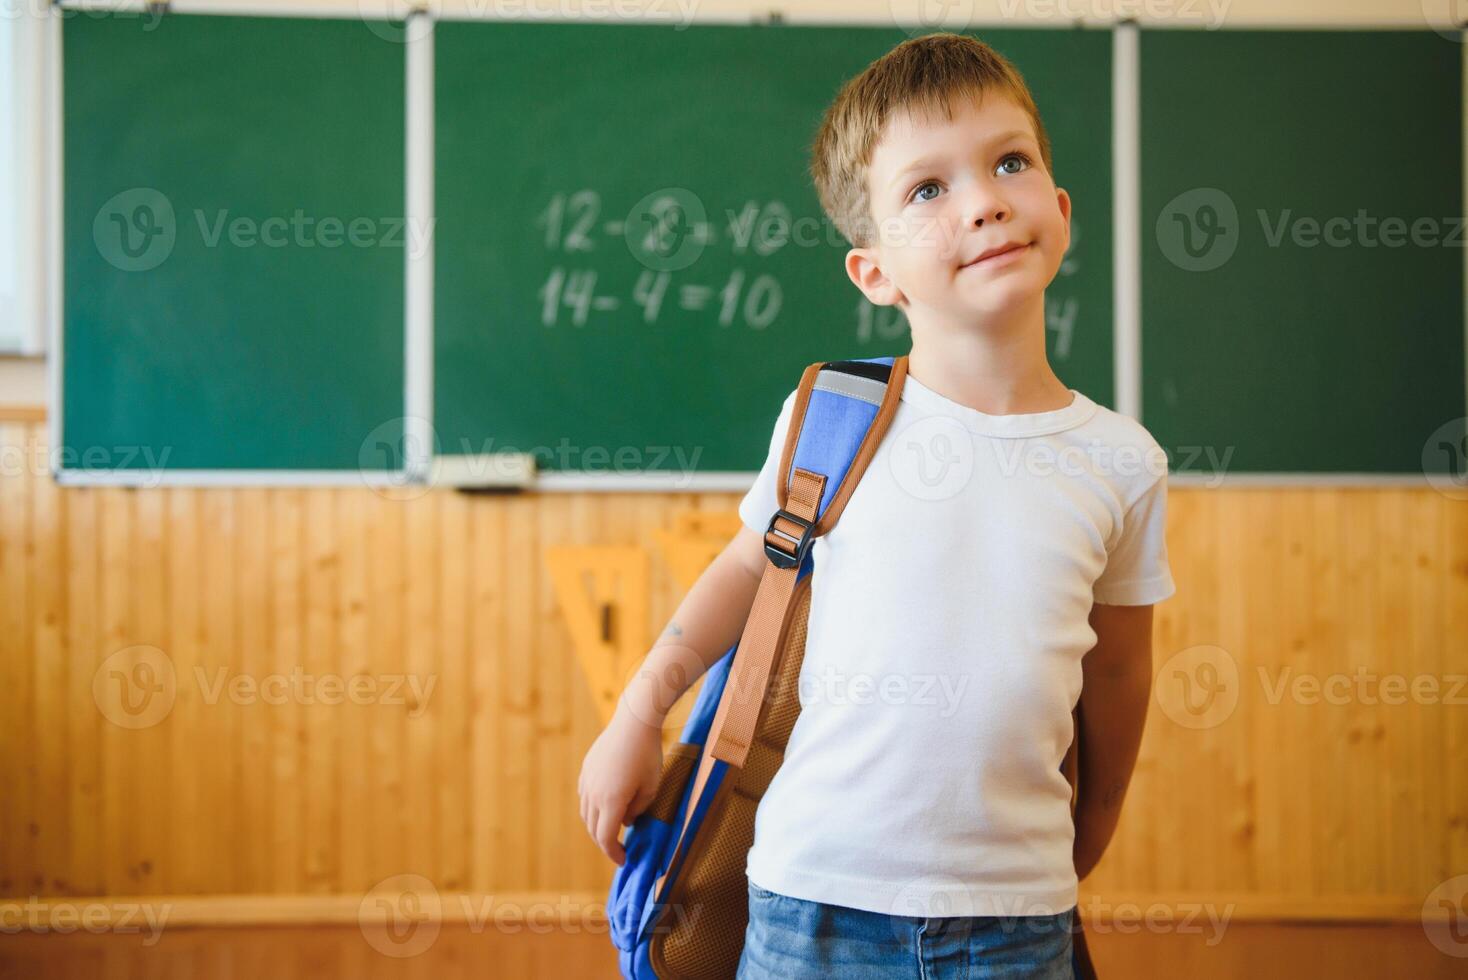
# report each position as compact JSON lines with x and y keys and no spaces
{"x":995,"y":368}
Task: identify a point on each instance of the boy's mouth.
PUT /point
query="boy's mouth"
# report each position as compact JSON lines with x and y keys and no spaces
{"x":997,"y":255}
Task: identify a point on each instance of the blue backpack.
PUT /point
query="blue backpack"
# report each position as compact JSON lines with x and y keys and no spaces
{"x":678,"y":905}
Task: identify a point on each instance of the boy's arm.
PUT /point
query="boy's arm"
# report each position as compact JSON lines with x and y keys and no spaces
{"x":708,"y":621}
{"x":620,"y":774}
{"x":1117,"y":679}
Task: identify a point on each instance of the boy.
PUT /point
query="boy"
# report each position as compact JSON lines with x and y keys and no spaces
{"x":1005,"y":543}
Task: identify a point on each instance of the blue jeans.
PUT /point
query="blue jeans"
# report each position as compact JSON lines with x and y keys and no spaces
{"x":794,"y":939}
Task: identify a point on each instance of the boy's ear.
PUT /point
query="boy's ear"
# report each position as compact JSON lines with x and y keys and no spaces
{"x":867,"y":275}
{"x":1062,"y":198}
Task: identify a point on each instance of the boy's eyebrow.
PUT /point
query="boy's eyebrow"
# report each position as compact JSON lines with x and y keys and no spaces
{"x":923,"y":163}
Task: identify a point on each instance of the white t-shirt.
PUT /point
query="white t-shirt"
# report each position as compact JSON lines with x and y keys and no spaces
{"x":948,"y":621}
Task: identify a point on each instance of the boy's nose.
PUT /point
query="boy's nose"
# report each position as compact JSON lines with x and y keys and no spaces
{"x":984,"y":204}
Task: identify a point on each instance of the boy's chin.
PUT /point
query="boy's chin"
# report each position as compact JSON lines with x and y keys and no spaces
{"x":997,"y":299}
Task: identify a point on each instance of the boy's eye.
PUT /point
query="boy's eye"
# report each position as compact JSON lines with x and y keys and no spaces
{"x":1006,"y":166}
{"x":1016,"y":155}
{"x":917,"y":194}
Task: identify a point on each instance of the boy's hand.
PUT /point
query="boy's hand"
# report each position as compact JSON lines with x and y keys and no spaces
{"x":619,"y":778}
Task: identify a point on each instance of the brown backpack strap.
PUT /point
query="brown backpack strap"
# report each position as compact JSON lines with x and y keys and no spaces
{"x":732,"y":731}
{"x":864,"y":452}
{"x":733,"y":727}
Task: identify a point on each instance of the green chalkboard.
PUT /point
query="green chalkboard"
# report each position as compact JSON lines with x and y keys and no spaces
{"x":1280,"y":333}
{"x":234,"y":244}
{"x":560,"y":331}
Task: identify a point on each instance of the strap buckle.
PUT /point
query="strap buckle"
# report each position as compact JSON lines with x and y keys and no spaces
{"x":802,"y":544}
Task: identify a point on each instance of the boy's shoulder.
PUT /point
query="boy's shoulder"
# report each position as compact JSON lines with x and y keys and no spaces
{"x":1123,"y":448}
{"x":1120,"y":429}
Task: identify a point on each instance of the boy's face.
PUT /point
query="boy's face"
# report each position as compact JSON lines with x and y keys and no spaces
{"x":943,"y":193}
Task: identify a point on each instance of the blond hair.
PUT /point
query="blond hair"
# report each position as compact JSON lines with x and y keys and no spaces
{"x":922,"y":73}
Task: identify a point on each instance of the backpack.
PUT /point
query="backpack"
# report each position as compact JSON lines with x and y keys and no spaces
{"x":678,"y":905}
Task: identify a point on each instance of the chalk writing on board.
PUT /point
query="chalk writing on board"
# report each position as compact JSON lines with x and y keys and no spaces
{"x":570,"y":296}
{"x":665,"y":232}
